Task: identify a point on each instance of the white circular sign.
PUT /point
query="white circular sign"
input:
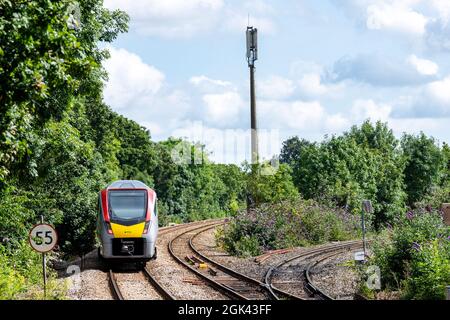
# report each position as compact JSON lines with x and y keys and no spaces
{"x":43,"y":237}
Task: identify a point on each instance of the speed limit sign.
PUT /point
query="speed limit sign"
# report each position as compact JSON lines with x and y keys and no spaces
{"x":43,"y":237}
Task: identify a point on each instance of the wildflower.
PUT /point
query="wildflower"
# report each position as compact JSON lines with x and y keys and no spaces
{"x":416,"y":246}
{"x":410,"y":215}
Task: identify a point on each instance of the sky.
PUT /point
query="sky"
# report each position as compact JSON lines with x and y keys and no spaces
{"x":324,"y":65}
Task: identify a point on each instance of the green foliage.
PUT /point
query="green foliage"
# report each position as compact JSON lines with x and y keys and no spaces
{"x":424,"y":164}
{"x":430,"y":272}
{"x":363,"y":163}
{"x":415,"y":255}
{"x":290,"y":223}
{"x":274,"y":186}
{"x":21,"y":275}
{"x":47,"y":63}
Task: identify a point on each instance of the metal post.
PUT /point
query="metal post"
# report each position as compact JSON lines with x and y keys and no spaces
{"x":366,"y":208}
{"x":252,"y":56}
{"x":254,"y":128}
{"x":448,"y":292}
{"x":44,"y":268}
{"x":364,"y":234}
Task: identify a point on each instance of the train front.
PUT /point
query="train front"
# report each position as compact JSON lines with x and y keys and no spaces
{"x":127,"y":222}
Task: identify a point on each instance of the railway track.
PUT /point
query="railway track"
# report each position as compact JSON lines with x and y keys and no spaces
{"x":304,"y":282}
{"x":315,"y":290}
{"x":115,"y":289}
{"x":238,"y":275}
{"x":231,"y":283}
{"x":118,"y":294}
{"x":162,"y":292}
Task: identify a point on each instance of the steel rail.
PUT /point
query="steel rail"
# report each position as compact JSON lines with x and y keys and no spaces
{"x":166,"y":295}
{"x":115,"y":290}
{"x":238,"y":274}
{"x":227,"y":290}
{"x":310,"y":253}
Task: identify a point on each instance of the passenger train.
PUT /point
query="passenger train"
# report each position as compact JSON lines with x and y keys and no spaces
{"x":127,"y":224}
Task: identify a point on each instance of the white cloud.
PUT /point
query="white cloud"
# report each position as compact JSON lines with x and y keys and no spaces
{"x":205,"y":84}
{"x":276,"y":87}
{"x":430,"y":101}
{"x":431,"y":126}
{"x":380,"y":70}
{"x":170,"y":18}
{"x":131,"y":80}
{"x":187,"y":18}
{"x":423,"y":66}
{"x":299,"y":117}
{"x":396,"y":16}
{"x":311,"y":85}
{"x":442,"y":7}
{"x":440,"y":92}
{"x":369,"y":109}
{"x":222,"y":109}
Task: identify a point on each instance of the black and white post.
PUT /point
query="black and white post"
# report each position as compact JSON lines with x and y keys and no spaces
{"x":252,"y":56}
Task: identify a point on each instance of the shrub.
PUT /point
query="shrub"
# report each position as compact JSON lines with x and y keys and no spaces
{"x":414,"y":256}
{"x":290,"y":223}
{"x":21,"y":275}
{"x":430,"y":272}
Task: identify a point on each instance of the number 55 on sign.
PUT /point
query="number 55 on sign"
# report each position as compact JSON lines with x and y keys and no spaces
{"x":43,"y":238}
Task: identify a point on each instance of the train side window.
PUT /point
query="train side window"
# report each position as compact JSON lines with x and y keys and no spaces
{"x":156,"y":208}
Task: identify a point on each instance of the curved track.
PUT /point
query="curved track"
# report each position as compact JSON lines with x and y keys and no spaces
{"x":306,"y":282}
{"x":162,"y":292}
{"x":231,"y":283}
{"x":238,"y":275}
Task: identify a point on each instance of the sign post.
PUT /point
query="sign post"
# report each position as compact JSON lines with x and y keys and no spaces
{"x":43,"y":239}
{"x":366,"y":208}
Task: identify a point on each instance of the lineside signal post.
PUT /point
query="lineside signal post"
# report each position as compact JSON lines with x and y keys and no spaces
{"x":366,"y":208}
{"x":43,"y":238}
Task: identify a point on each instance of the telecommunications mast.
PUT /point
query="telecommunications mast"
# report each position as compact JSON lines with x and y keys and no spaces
{"x":252,"y":56}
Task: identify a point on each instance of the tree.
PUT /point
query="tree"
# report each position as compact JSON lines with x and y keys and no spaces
{"x":292,"y":149}
{"x":48,"y":63}
{"x":363,"y":163}
{"x":424,"y":163}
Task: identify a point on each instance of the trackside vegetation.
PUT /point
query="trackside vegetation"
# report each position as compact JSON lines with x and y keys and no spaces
{"x":60,"y":144}
{"x":406,"y":179}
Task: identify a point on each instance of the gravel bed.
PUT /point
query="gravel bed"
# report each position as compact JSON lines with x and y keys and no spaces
{"x":86,"y":278}
{"x":134,"y":285}
{"x":292,"y":273}
{"x":336,"y":279}
{"x":178,"y":280}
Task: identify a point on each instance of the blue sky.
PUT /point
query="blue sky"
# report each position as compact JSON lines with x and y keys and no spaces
{"x":323,"y":66}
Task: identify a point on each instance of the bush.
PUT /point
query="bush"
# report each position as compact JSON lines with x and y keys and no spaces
{"x":21,"y":275}
{"x":430,"y":273}
{"x":414,"y":256}
{"x":289,"y":223}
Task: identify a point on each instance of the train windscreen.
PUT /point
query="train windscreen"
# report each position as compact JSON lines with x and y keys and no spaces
{"x":127,"y":204}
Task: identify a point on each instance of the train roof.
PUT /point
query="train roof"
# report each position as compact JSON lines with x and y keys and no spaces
{"x":128,"y":184}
